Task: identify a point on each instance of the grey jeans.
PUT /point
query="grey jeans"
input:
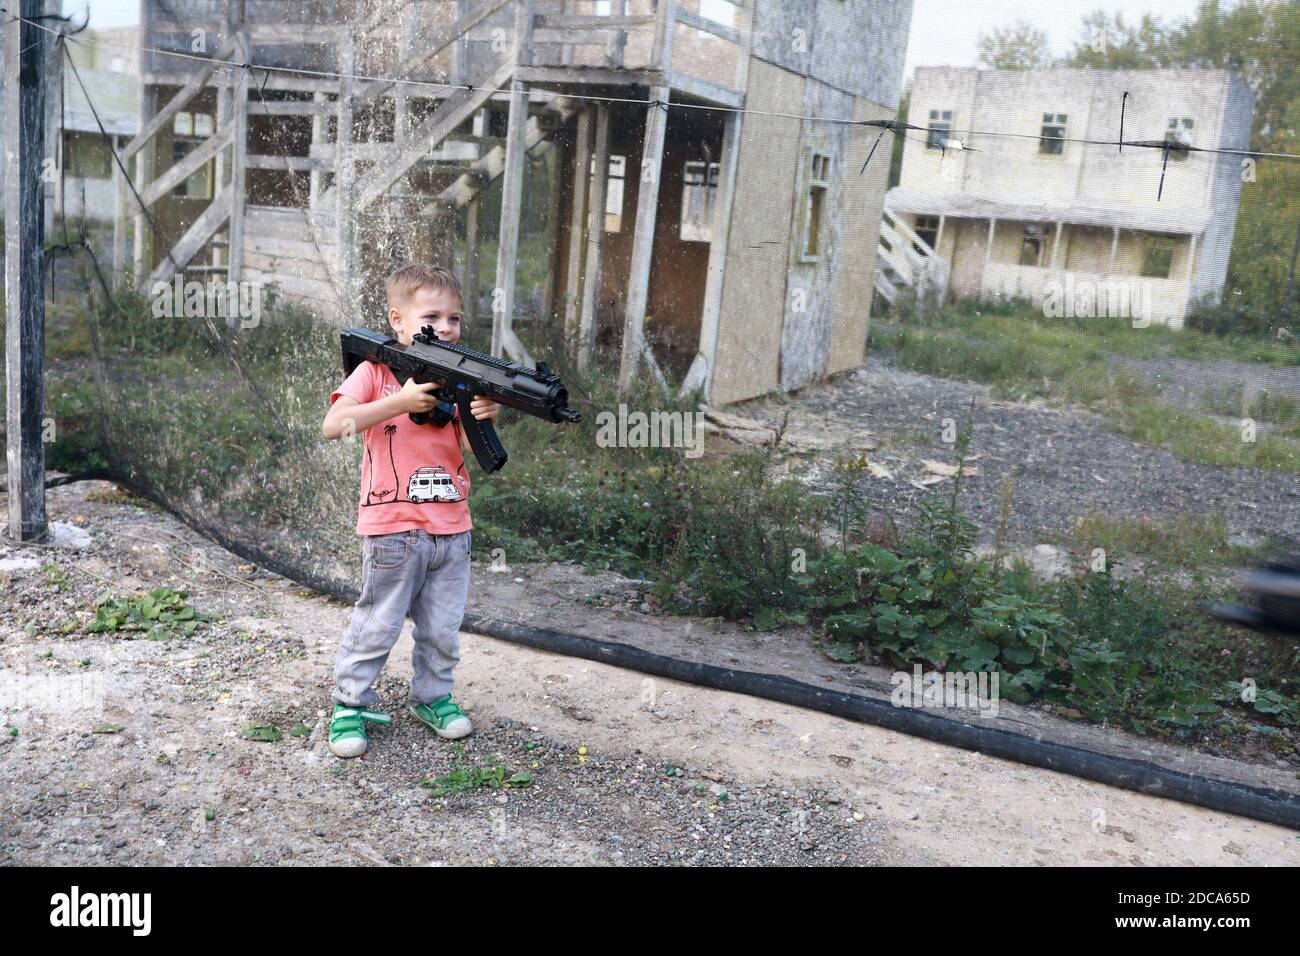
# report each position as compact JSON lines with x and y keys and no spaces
{"x":415,"y":573}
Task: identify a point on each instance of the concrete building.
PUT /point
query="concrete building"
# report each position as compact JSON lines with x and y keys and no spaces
{"x":108,"y":60}
{"x":714,"y":248}
{"x":1026,"y":216}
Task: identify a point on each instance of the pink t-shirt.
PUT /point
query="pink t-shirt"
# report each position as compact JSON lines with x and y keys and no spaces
{"x":412,"y":476}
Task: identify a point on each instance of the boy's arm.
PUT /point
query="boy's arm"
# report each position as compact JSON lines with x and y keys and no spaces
{"x":412,"y":398}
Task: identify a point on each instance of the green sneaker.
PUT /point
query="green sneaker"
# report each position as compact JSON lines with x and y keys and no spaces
{"x":444,"y":716}
{"x":348,"y":729}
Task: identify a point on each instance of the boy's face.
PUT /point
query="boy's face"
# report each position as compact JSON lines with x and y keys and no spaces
{"x":427,"y":305}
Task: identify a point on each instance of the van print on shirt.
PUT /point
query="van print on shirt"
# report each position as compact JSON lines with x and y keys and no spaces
{"x":428,"y":483}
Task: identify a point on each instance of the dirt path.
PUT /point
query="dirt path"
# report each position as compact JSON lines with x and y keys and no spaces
{"x":176,"y":782}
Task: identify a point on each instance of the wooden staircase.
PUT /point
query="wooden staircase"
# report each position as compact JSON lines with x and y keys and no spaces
{"x":906,"y":261}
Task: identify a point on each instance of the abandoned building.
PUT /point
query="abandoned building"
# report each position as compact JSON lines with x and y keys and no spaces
{"x":717,"y":239}
{"x":1037,"y":209}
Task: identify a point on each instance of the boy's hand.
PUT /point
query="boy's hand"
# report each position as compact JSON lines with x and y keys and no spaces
{"x":484,"y":408}
{"x":415,"y":397}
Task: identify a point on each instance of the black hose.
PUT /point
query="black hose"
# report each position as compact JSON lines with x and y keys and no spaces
{"x":1258,"y":803}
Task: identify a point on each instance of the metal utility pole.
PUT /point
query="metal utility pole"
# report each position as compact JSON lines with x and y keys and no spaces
{"x":24,"y":97}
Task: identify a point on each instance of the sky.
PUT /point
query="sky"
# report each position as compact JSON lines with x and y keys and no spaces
{"x":944,"y":32}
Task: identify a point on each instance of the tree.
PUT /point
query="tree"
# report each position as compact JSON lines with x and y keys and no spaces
{"x":1111,"y":44}
{"x":1256,"y":39}
{"x":1020,"y":46}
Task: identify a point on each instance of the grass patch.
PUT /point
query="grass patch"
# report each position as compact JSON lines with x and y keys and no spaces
{"x":1022,"y":356}
{"x":1187,"y":541}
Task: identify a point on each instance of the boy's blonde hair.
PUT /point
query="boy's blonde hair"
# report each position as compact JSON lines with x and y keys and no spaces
{"x":402,"y":284}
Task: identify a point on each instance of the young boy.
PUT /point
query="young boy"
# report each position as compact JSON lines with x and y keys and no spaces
{"x":414,"y":519}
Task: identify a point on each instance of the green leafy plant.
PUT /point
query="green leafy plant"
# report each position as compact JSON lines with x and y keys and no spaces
{"x":162,"y":614}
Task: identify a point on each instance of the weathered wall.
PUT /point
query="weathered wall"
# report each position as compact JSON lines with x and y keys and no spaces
{"x":754,"y":291}
{"x":1225,"y":189}
{"x":810,"y":297}
{"x":861,"y":204}
{"x":853,"y":45}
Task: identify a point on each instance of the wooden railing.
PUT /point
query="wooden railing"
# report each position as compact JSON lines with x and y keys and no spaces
{"x":904,"y":259}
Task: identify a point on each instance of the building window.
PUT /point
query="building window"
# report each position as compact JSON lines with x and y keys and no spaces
{"x":719,"y":11}
{"x":927,"y":228}
{"x":189,"y":130}
{"x":613,"y":192}
{"x":1051,"y":138}
{"x":117,"y":64}
{"x":1159,"y":257}
{"x":814,"y":206}
{"x":939,"y":129}
{"x":1032,"y":243}
{"x":699,"y":190}
{"x":1179,"y":131}
{"x":86,"y":155}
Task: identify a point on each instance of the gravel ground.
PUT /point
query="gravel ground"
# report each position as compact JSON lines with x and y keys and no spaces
{"x":133,"y":751}
{"x":1066,"y":462}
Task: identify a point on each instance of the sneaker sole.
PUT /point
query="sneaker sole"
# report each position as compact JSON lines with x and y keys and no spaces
{"x":460,"y":727}
{"x":349,"y":747}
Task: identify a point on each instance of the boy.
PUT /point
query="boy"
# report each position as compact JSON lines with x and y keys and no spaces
{"x":414,"y":519}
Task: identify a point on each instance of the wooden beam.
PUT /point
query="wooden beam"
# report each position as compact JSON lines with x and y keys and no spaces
{"x":598,"y":75}
{"x":700,"y":374}
{"x":577,"y":231}
{"x":592,"y":272}
{"x":317,"y":136}
{"x":25,"y":53}
{"x":453,"y":111}
{"x":296,"y":164}
{"x":473,"y":254}
{"x":435,"y":46}
{"x":486,"y":169}
{"x":238,"y":166}
{"x":552,"y":159}
{"x":512,"y":185}
{"x":119,"y":226}
{"x":344,"y":189}
{"x":647,"y":201}
{"x":314,"y":109}
{"x":685,"y":83}
{"x":178,"y":172}
{"x":178,"y":102}
{"x":582,"y":22}
{"x":213,"y":217}
{"x":688,"y":18}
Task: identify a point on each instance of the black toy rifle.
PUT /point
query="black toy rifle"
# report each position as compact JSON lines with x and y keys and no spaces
{"x":462,"y":374}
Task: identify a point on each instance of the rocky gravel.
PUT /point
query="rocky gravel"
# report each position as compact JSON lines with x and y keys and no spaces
{"x":1065,"y":462}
